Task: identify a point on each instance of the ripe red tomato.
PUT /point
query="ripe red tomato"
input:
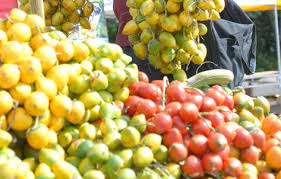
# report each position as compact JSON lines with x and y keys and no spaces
{"x":243,"y":139}
{"x":216,"y":119}
{"x":191,"y":91}
{"x":216,"y":95}
{"x":162,"y":122}
{"x":159,"y":101}
{"x":228,"y":116}
{"x":217,"y":141}
{"x":159,"y":83}
{"x":232,"y":167}
{"x":173,"y":108}
{"x":189,"y":112}
{"x":228,"y":102}
{"x":201,"y":127}
{"x":224,"y":154}
{"x":159,"y":108}
{"x":208,"y":104}
{"x":146,"y":107}
{"x":192,"y":167}
{"x":176,"y":92}
{"x":266,"y":175}
{"x":218,"y":88}
{"x":177,"y":152}
{"x":150,"y":127}
{"x":250,"y":154}
{"x":133,"y":87}
{"x":198,"y":144}
{"x":212,"y":163}
{"x":228,"y":131}
{"x":179,"y":124}
{"x":186,"y":140}
{"x":195,"y":99}
{"x":131,"y":104}
{"x":258,"y":137}
{"x":143,"y":77}
{"x":172,"y":135}
{"x":149,"y":91}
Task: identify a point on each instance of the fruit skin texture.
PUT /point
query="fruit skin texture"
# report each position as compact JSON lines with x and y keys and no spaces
{"x":189,"y":112}
{"x":198,"y":144}
{"x":172,"y":135}
{"x":243,"y":139}
{"x":177,"y":152}
{"x":212,"y":163}
{"x":250,"y":155}
{"x":266,"y":175}
{"x":193,"y":167}
{"x":273,"y":157}
{"x":162,"y":123}
{"x":217,"y":142}
{"x":271,"y":124}
{"x":232,"y":167}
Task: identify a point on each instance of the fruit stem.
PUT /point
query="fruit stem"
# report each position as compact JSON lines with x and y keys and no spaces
{"x":16,"y":104}
{"x":205,"y":120}
{"x":166,"y":82}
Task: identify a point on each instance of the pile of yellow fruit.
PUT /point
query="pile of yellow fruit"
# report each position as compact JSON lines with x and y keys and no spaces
{"x":167,"y":32}
{"x":48,"y":82}
{"x":63,"y":14}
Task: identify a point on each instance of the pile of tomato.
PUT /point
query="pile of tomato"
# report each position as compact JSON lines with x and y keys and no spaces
{"x":203,"y":131}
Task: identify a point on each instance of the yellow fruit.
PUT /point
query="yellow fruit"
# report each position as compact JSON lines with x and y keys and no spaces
{"x":214,"y":15}
{"x":65,"y":12}
{"x":81,"y":52}
{"x":9,"y":76}
{"x":201,"y":15}
{"x":85,"y":23}
{"x":16,"y":15}
{"x":65,"y":50}
{"x":202,"y":29}
{"x":79,"y":3}
{"x":12,"y":52}
{"x":20,"y":92}
{"x":19,"y":119}
{"x":52,"y":138}
{"x":74,"y":17}
{"x":6,"y":102}
{"x":65,"y":90}
{"x":59,"y":75}
{"x":130,"y":28}
{"x":199,"y":58}
{"x":36,"y":104}
{"x":169,"y":24}
{"x":19,"y":32}
{"x":220,"y":4}
{"x":88,"y":9}
{"x":35,"y":22}
{"x":185,"y":18}
{"x":153,"y":19}
{"x":57,"y":18}
{"x":67,"y":26}
{"x":206,"y":4}
{"x":202,"y":48}
{"x":72,"y":72}
{"x":40,"y":40}
{"x":147,"y":7}
{"x":3,"y":38}
{"x":3,"y":25}
{"x":69,"y":4}
{"x":45,"y":118}
{"x":5,"y":138}
{"x":47,"y":57}
{"x":27,"y":50}
{"x":42,"y":168}
{"x":173,"y":7}
{"x":133,"y":12}
{"x":47,"y":7}
{"x":61,"y":105}
{"x":46,"y":86}
{"x":140,"y":50}
{"x":30,"y":162}
{"x":189,"y":5}
{"x":160,"y":6}
{"x":143,"y":25}
{"x":56,"y":123}
{"x":77,"y":113}
{"x":37,"y":136}
{"x":30,"y":70}
{"x":3,"y":122}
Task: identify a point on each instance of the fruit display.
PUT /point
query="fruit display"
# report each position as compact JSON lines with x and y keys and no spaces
{"x":73,"y":17}
{"x":73,"y":109}
{"x":167,"y":32}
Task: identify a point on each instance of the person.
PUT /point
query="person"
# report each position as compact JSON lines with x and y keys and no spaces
{"x":123,"y":16}
{"x":231,"y":43}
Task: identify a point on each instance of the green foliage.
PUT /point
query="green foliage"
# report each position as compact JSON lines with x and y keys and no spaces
{"x":112,"y":28}
{"x":266,"y":49}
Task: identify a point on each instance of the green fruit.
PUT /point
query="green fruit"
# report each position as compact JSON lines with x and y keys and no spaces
{"x":115,"y":162}
{"x":153,"y":47}
{"x":132,"y":76}
{"x":94,"y":174}
{"x":63,"y":169}
{"x":156,"y":61}
{"x":247,"y":124}
{"x":180,"y":38}
{"x":117,"y":76}
{"x":179,"y":75}
{"x":72,"y":149}
{"x":122,"y":94}
{"x":85,"y":166}
{"x":168,"y":55}
{"x":110,"y":50}
{"x":148,"y":173}
{"x":146,"y":36}
{"x":104,"y":64}
{"x":75,"y":161}
{"x":48,"y":156}
{"x":46,"y":176}
{"x":139,"y":122}
{"x":119,"y":64}
{"x":167,"y":39}
{"x":83,"y":148}
{"x":80,"y":84}
{"x":87,"y":131}
{"x":98,"y":154}
{"x":262,"y":102}
{"x":153,"y":141}
{"x":174,"y":169}
{"x":182,"y":56}
{"x":121,"y":123}
{"x":64,"y":138}
{"x":130,"y":137}
{"x":90,"y":99}
{"x":106,"y":96}
{"x":94,"y":113}
{"x":99,"y":80}
{"x":60,"y":150}
{"x":126,"y":173}
{"x":107,"y":126}
{"x":127,"y":157}
{"x":142,"y":157}
{"x":110,"y":111}
{"x":161,"y":155}
{"x":112,"y":140}
{"x":126,"y":59}
{"x":73,"y":130}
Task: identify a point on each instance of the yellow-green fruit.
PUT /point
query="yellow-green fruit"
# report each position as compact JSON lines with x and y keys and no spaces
{"x":9,"y":76}
{"x":140,"y":50}
{"x":199,"y":58}
{"x":167,"y":39}
{"x":153,"y":19}
{"x":185,"y":18}
{"x":147,"y":7}
{"x":59,"y":75}
{"x":206,"y":4}
{"x":57,"y":18}
{"x":81,"y":52}
{"x":168,"y":55}
{"x":190,"y":47}
{"x":201,"y":15}
{"x":88,"y":9}
{"x":130,"y":28}
{"x":220,"y":4}
{"x":214,"y":15}
{"x":173,"y":7}
{"x":67,"y":26}
{"x":202,"y":29}
{"x":35,"y":22}
{"x":65,"y":50}
{"x":189,"y":5}
{"x":36,"y":104}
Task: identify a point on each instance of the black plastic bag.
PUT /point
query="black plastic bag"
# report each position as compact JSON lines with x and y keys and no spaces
{"x":231,"y":44}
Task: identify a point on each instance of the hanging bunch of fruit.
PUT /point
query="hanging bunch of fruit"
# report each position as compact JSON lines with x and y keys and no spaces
{"x":65,"y":15}
{"x":167,"y":32}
